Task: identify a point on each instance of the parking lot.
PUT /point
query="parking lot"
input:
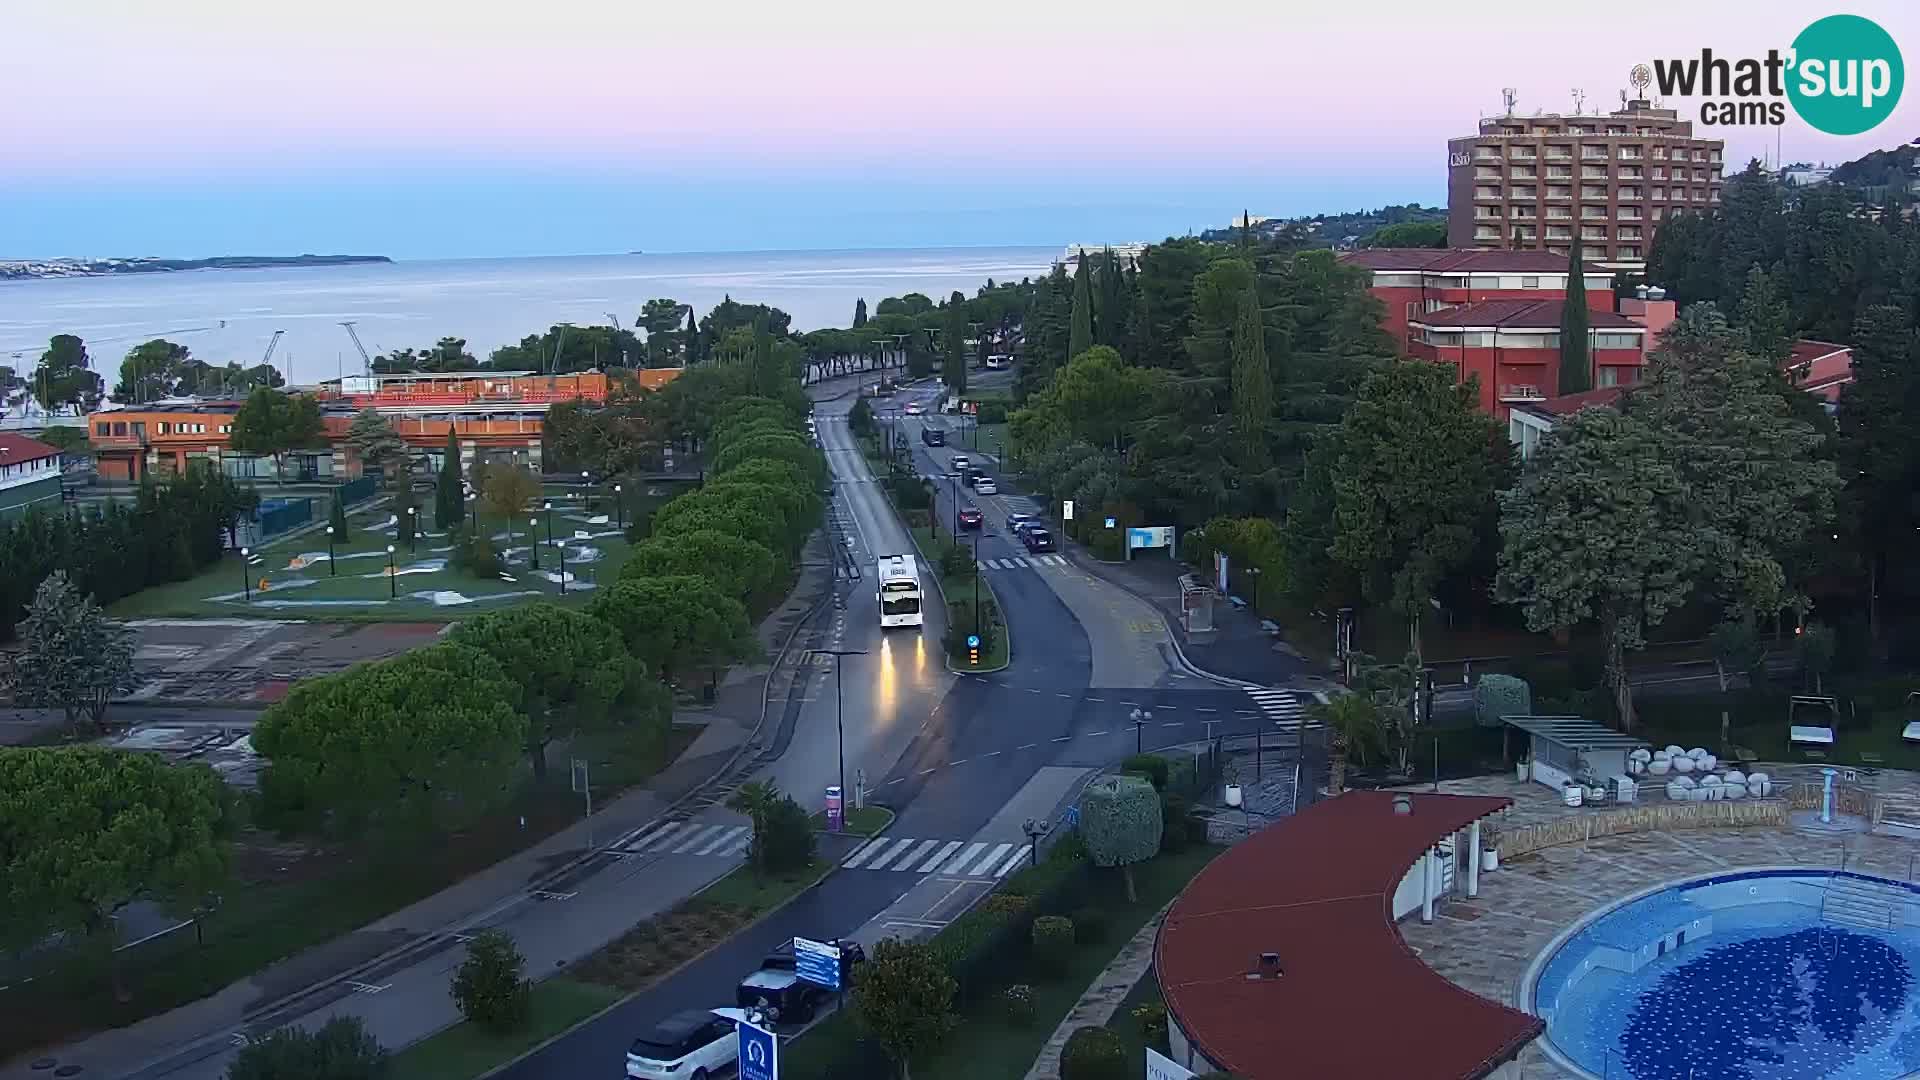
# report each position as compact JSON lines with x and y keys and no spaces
{"x":239,"y":661}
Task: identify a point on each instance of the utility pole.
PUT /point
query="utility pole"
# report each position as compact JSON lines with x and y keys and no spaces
{"x":839,"y":719}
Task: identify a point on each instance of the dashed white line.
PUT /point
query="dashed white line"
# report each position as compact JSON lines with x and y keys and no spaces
{"x":957,"y":761}
{"x":1091,"y":734}
{"x":926,"y":772}
{"x":1030,"y":746}
{"x":1064,"y":738}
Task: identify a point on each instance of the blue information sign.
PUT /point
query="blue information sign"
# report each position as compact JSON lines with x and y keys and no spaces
{"x":973,"y":641}
{"x":759,"y":1053}
{"x":817,"y":962}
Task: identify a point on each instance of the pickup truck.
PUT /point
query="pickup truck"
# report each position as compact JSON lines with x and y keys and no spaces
{"x":778,"y":991}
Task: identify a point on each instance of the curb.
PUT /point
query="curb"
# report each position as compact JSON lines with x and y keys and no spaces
{"x":1173,"y":635}
{"x":220,"y":1039}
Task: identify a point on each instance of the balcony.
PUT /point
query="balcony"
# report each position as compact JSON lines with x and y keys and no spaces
{"x":1486,"y":194}
{"x":1487,"y":153}
{"x":1559,"y":172}
{"x":1486,"y":172}
{"x":1521,"y":393}
{"x":1521,"y":172}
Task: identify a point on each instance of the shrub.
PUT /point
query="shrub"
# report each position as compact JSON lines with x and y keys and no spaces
{"x":1120,"y":819}
{"x":788,"y":840}
{"x":491,"y":986}
{"x":1152,"y":766}
{"x":340,"y":1050}
{"x":1093,"y":1053}
{"x":1151,"y":1018}
{"x":1018,"y":1001}
{"x":1007,"y":904}
{"x":474,"y":554}
{"x":956,"y":561}
{"x":1052,"y":945}
{"x":1495,"y":696}
{"x":1090,"y":925}
{"x":992,"y":411}
{"x":1175,"y":833}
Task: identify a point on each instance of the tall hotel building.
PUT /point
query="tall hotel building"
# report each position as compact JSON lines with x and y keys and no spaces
{"x":1525,"y":183}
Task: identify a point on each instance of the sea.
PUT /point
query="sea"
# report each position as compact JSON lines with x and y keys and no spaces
{"x":230,"y":315}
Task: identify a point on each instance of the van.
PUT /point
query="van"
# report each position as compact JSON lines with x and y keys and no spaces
{"x":933,"y":436}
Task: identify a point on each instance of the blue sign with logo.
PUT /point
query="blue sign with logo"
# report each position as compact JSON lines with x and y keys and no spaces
{"x":973,"y":641}
{"x":817,"y":962}
{"x":759,"y":1053}
{"x":1071,"y":818}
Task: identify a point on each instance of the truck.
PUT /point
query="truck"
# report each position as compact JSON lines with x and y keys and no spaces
{"x":777,"y":990}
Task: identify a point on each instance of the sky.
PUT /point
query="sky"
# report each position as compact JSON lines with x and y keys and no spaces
{"x":471,"y":128}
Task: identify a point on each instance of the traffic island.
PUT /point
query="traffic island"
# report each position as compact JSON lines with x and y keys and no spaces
{"x":865,"y":822}
{"x":968,"y":652}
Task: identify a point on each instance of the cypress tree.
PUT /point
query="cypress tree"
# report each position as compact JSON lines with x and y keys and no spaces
{"x":955,"y":373}
{"x":1080,"y":327}
{"x":1576,"y":363}
{"x":448,"y":506}
{"x":1113,"y":302}
{"x":337,"y":517}
{"x":1252,"y":385}
{"x":693,"y":338}
{"x":860,"y":313}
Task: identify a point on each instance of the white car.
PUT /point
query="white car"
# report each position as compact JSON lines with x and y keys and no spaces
{"x":960,"y":464}
{"x":914,"y":409}
{"x":985,"y":486}
{"x":692,"y":1045}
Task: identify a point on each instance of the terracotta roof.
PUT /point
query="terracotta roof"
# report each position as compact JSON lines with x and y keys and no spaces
{"x":1456,"y":260}
{"x":1519,"y":315}
{"x":1316,"y":889}
{"x":17,"y":448}
{"x":1806,"y":351}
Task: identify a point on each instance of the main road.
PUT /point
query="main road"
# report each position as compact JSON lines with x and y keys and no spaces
{"x":960,"y":760}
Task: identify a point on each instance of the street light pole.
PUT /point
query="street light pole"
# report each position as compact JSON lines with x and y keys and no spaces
{"x":1141,"y":718}
{"x":587,"y":485}
{"x":533,"y":541}
{"x":331,"y":569}
{"x":976,"y":586}
{"x":246,"y":583}
{"x":620,"y":509}
{"x":413,"y":529}
{"x":393,"y":593}
{"x":839,"y":725}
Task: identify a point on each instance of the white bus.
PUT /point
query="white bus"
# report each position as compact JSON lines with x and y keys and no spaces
{"x":899,"y":591}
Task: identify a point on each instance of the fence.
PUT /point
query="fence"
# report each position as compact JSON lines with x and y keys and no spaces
{"x":276,"y":516}
{"x":356,"y":490}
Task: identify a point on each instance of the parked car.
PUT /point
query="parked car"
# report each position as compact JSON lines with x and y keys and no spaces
{"x":914,"y":409}
{"x":960,"y":464}
{"x":692,"y":1045}
{"x":777,"y":990}
{"x":933,"y":436}
{"x":984,"y":485}
{"x":1037,"y":539}
{"x":1016,"y":522}
{"x":971,"y":518}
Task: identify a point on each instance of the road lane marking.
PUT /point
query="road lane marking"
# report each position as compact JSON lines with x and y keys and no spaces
{"x":725,"y":839}
{"x":701,"y":837}
{"x":1012,"y":861}
{"x":995,"y":753}
{"x":664,"y":838}
{"x":957,"y":761}
{"x":894,"y":848}
{"x":940,"y":856}
{"x":1091,"y":734}
{"x":927,"y":772}
{"x":989,"y":861}
{"x":1098,"y":699}
{"x":1029,"y":746}
{"x":914,"y":857}
{"x":1064,"y":738}
{"x":954,"y":865}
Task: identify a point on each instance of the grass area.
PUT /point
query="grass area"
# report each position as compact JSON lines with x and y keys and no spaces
{"x":864,"y":821}
{"x":1868,"y":730}
{"x":464,"y":1051}
{"x":656,"y":947}
{"x":991,"y":439}
{"x":987,"y":1042}
{"x":300,"y":580}
{"x":1144,"y":992}
{"x":287,"y":897}
{"x":960,"y":587}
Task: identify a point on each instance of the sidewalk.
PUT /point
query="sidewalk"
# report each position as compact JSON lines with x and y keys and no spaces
{"x":1237,"y":648}
{"x":406,"y":954}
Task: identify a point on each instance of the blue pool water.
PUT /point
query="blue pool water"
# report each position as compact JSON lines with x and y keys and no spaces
{"x":1737,"y":978}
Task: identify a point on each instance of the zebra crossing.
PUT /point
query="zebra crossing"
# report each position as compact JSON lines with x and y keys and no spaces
{"x":958,"y":858}
{"x":1025,"y":562}
{"x":1283,"y":707}
{"x":689,"y":838}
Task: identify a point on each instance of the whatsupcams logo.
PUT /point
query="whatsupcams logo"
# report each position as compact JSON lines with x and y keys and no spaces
{"x":1842,"y":75}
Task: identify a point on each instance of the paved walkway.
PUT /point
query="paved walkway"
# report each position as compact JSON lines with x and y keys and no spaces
{"x":1103,"y":996}
{"x":405,"y":953}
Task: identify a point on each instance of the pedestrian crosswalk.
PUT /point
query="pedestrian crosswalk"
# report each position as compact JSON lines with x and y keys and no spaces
{"x":1281,"y":706}
{"x":1026,"y":562}
{"x":959,"y":858}
{"x":689,"y":838}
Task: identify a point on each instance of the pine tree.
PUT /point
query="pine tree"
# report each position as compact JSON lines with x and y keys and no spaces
{"x":1576,"y":363}
{"x":860,"y":313}
{"x":1080,"y":332}
{"x":448,"y":500}
{"x":1252,"y":385}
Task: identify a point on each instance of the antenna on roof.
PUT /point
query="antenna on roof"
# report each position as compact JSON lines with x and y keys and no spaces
{"x":1623,"y":101}
{"x":1579,"y":101}
{"x":1509,"y":95}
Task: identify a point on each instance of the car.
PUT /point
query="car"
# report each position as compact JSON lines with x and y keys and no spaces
{"x":934,"y":436}
{"x":691,"y":1045}
{"x":1037,"y":539}
{"x":984,"y":485}
{"x":1016,"y":522}
{"x":972,"y":519}
{"x":777,"y":990}
{"x":914,"y":409}
{"x":960,"y":464}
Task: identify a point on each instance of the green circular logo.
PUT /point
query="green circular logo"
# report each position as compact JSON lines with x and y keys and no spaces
{"x":1846,"y":75}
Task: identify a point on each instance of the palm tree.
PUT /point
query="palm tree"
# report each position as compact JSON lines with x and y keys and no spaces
{"x":754,"y":799}
{"x":1353,"y":732}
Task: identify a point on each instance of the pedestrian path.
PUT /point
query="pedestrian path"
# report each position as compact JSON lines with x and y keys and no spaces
{"x":1027,"y":562}
{"x":1283,"y":707}
{"x":955,"y":858}
{"x":688,"y":838}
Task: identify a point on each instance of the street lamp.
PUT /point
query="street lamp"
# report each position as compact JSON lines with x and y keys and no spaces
{"x":976,"y":586}
{"x":331,"y":568}
{"x":1141,"y":718}
{"x":392,"y":591}
{"x":619,"y":509}
{"x":533,"y":541}
{"x":953,"y":484}
{"x":1034,"y":830}
{"x":547,"y":508}
{"x":588,"y":486}
{"x":413,"y":529}
{"x":562,"y":548}
{"x":840,"y":731}
{"x":246,"y":583}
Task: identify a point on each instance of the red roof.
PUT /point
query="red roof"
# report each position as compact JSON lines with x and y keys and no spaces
{"x":1519,"y":315}
{"x":1806,"y":351}
{"x":17,"y":448}
{"x":1456,"y":260}
{"x":1317,"y":889}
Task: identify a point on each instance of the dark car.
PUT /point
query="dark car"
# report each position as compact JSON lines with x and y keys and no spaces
{"x":972,"y":519}
{"x":1017,"y":522}
{"x":778,"y":990}
{"x":1036,"y":538}
{"x":971,"y":477}
{"x":934,"y":436}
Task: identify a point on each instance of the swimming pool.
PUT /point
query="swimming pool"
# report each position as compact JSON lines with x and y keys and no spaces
{"x":1775,"y":974}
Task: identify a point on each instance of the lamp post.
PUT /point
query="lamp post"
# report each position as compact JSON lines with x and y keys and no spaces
{"x":1141,"y":718}
{"x":587,"y":485}
{"x":246,"y":583}
{"x":413,"y":529}
{"x":619,"y":509}
{"x":393,"y":593}
{"x":1034,"y":831}
{"x":547,"y":508}
{"x":839,"y":728}
{"x":331,"y":569}
{"x":563,"y":567}
{"x":976,"y":586}
{"x":953,"y":485}
{"x":533,"y":541}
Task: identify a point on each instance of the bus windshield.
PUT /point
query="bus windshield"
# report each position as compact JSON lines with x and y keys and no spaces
{"x":899,"y":598}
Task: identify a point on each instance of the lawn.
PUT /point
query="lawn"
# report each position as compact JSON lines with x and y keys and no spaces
{"x":300,"y":576}
{"x":287,"y":897}
{"x":986,"y":1042}
{"x":658,"y":946}
{"x":464,"y":1051}
{"x":1759,"y":723}
{"x":1144,"y":992}
{"x":864,"y":821}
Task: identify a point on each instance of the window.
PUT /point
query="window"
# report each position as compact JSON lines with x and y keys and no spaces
{"x":1602,"y":340}
{"x":163,"y":427}
{"x":1530,"y":282}
{"x":101,"y":428}
{"x":119,"y":427}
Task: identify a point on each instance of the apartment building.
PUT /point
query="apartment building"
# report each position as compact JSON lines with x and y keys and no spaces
{"x":29,"y":473}
{"x":1412,"y":282}
{"x":1530,"y":183}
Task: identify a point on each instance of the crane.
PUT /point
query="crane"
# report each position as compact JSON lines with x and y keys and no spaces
{"x":364,"y":358}
{"x":615,"y":319}
{"x":273,"y":343}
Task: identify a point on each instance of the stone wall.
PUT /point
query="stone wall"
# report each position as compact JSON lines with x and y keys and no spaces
{"x":1732,"y":813}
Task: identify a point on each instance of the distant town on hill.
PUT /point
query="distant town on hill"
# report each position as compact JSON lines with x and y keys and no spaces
{"x":1348,"y":230}
{"x":47,"y":268}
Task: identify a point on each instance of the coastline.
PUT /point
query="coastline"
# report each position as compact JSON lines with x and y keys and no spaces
{"x":40,"y":269}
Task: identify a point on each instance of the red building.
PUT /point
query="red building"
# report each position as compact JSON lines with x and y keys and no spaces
{"x":1412,"y":282}
{"x":1820,"y":368}
{"x":1513,"y":348}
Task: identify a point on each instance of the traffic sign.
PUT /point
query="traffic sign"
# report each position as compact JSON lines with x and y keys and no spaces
{"x":759,"y":1053}
{"x":817,"y":962}
{"x":973,"y":641}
